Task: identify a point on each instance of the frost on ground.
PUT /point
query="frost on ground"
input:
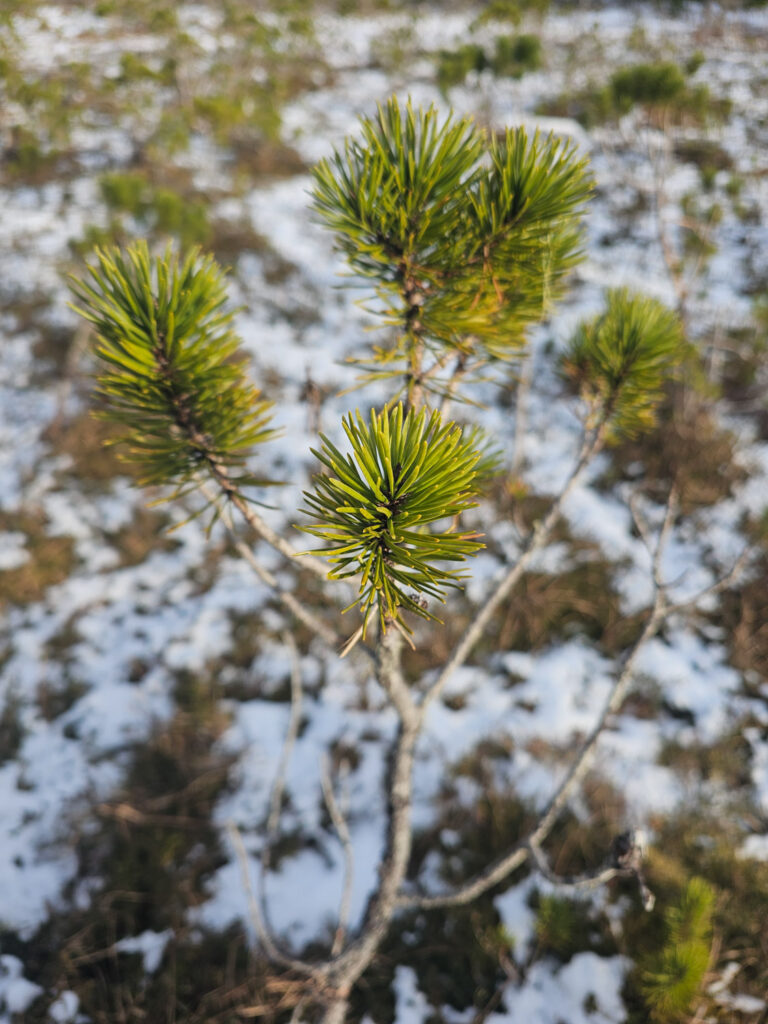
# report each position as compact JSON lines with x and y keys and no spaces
{"x":103,"y":626}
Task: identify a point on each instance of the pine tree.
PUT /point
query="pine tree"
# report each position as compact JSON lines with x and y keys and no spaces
{"x":464,"y":240}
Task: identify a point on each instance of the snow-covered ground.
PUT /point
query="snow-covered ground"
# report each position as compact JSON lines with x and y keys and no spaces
{"x":157,"y":613}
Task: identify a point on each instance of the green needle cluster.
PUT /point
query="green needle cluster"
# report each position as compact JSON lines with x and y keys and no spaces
{"x":374,"y":504}
{"x":621,"y":361}
{"x":170,"y":375}
{"x":466,"y":237}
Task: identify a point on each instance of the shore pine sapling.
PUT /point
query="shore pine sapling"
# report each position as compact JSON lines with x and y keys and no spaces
{"x":463,"y":240}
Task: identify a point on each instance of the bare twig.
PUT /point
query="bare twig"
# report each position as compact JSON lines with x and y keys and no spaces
{"x":626,"y":857}
{"x":265,"y":531}
{"x":579,"y":767}
{"x":437,"y":366}
{"x":288,"y":598}
{"x":488,"y":939}
{"x":659,"y":165}
{"x":285,"y":596}
{"x":262,"y":528}
{"x":641,"y":523}
{"x":670,"y":515}
{"x":572,"y":883}
{"x":342,"y":831}
{"x":278,"y":786}
{"x":389,"y":673}
{"x":715,"y":588}
{"x":298,"y":1011}
{"x":337,"y":975}
{"x":482,"y":882}
{"x":528,"y":846}
{"x":457,"y":375}
{"x":258,"y":906}
{"x":382,"y":906}
{"x":659,"y":612}
{"x":657,"y":551}
{"x":265,"y":936}
{"x":516,"y":857}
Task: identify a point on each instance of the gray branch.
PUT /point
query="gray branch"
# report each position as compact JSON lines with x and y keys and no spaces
{"x":262,"y":528}
{"x":342,"y":831}
{"x":527,"y":847}
{"x":258,"y":906}
{"x":344,"y":970}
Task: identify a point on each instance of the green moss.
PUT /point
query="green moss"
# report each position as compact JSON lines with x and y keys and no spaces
{"x":394,"y":51}
{"x":171,"y":135}
{"x":513,"y":56}
{"x":175,"y":215}
{"x":510,"y":10}
{"x":708,"y":175}
{"x":237,"y":112}
{"x":687,"y":846}
{"x":125,"y":191}
{"x":97,"y":237}
{"x":694,"y":62}
{"x":29,"y":159}
{"x":661,"y":89}
{"x":590,"y":107}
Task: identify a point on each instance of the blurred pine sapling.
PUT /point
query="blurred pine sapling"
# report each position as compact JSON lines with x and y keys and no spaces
{"x":621,"y":361}
{"x":512,"y":57}
{"x":661,"y":91}
{"x":673,"y":977}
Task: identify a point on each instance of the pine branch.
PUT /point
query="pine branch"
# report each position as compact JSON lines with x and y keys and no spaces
{"x":374,"y":506}
{"x":170,"y":375}
{"x":284,"y":595}
{"x":462,"y":237}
